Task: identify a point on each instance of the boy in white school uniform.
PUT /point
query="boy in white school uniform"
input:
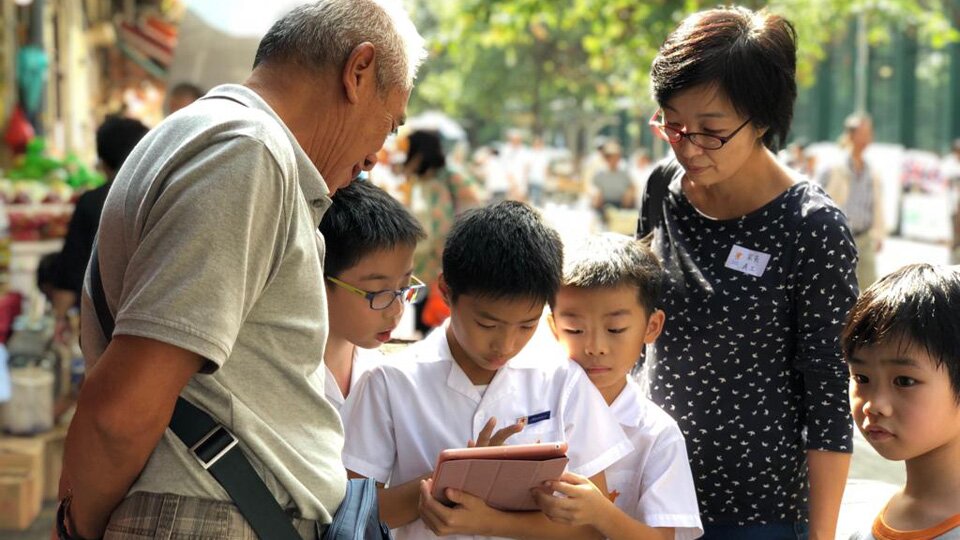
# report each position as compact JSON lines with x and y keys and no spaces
{"x":474,"y":381}
{"x":368,"y":269}
{"x":605,"y":314}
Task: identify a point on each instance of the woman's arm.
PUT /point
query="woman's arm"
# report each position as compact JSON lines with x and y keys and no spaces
{"x":827,"y":472}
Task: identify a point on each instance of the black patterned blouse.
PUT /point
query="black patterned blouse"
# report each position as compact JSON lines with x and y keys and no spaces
{"x":749,"y":362}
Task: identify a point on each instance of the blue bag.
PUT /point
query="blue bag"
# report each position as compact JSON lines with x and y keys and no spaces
{"x":358,"y":517}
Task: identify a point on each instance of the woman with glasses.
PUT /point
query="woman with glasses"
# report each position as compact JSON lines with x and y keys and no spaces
{"x":760,"y":276}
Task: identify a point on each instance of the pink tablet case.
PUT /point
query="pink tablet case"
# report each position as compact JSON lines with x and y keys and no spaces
{"x":502,"y":476}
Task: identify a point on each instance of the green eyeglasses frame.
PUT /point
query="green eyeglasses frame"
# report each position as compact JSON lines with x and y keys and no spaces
{"x":380,"y":300}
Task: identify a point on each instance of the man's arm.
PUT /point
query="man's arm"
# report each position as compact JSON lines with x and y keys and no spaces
{"x":827,"y":473}
{"x":125,"y":405}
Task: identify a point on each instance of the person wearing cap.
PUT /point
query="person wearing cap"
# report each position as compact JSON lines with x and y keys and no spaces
{"x":612,"y":183}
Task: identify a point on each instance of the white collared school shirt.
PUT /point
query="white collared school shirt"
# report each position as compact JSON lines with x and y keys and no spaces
{"x":363,"y":361}
{"x":404,"y":413}
{"x":653,"y":484}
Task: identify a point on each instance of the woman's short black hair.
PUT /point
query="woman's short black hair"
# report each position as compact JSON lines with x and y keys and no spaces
{"x":751,"y":57}
{"x":917,"y":305}
{"x":364,"y":219}
{"x":428,"y":148}
{"x":504,"y":250}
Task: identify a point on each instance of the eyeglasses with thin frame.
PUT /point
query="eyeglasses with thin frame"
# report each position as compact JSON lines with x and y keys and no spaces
{"x":380,"y":300}
{"x":704,"y":140}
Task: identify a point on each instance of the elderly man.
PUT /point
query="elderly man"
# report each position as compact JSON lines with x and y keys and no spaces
{"x":211,"y":266}
{"x":857,"y":189}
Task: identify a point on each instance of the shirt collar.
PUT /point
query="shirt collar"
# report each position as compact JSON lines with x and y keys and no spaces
{"x":312,"y":184}
{"x":629,"y":404}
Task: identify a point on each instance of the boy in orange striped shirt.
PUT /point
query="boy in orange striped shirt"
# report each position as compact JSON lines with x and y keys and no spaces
{"x":902,"y":343}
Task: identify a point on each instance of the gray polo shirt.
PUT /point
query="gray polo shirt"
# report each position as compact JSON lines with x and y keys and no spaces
{"x":208,"y":241}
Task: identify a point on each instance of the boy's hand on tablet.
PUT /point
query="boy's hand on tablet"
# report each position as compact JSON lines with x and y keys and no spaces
{"x":470,"y":515}
{"x":488,"y":438}
{"x":581,"y":504}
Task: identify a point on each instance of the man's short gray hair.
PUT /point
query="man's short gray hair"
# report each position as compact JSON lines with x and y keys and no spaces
{"x":322,"y":34}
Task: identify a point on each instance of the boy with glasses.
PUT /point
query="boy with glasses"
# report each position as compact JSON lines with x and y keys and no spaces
{"x":368,"y":271}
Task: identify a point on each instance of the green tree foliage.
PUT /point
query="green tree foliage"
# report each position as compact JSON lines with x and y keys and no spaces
{"x":500,"y":63}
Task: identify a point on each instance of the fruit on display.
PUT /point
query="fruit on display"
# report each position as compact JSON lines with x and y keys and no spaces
{"x":34,"y":225}
{"x":39,"y":192}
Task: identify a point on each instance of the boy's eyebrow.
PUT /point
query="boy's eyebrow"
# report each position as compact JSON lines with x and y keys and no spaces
{"x":488,"y":316}
{"x":617,"y":313}
{"x":375,"y":276}
{"x":909,"y":362}
{"x":901,"y":362}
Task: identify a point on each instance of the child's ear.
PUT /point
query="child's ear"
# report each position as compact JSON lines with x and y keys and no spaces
{"x":444,"y":289}
{"x":654,"y":326}
{"x":553,"y":325}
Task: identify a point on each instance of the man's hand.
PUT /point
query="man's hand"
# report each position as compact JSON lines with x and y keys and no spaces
{"x":488,"y":438}
{"x":470,"y":515}
{"x":581,"y":504}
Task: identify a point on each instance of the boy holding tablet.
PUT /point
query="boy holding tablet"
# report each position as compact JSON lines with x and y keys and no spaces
{"x":368,"y":269}
{"x":475,"y":379}
{"x":605,"y":314}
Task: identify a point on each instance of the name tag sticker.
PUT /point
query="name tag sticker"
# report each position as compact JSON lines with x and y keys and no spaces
{"x":534,"y":418}
{"x":748,"y":261}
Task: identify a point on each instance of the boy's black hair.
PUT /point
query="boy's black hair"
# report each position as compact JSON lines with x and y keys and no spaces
{"x":116,"y":138}
{"x":504,"y":250}
{"x":363,"y":219}
{"x":610,"y":260}
{"x":750,"y":56}
{"x":918,"y":304}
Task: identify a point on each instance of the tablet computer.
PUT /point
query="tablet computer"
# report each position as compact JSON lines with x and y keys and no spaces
{"x":500,"y":475}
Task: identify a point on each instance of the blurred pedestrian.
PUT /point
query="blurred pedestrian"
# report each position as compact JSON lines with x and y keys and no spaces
{"x":951,"y":174}
{"x":495,"y":176}
{"x":182,"y":95}
{"x":857,"y":189}
{"x":438,"y":194}
{"x":116,"y":138}
{"x":640,"y":168}
{"x":612,"y":184}
{"x":515,"y":157}
{"x":538,"y":165}
{"x":760,"y":274}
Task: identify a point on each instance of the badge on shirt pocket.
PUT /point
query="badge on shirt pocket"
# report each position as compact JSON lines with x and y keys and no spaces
{"x":748,"y":261}
{"x":537,"y":428}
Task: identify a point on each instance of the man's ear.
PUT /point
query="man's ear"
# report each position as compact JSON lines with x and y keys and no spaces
{"x":654,"y":326}
{"x":359,"y":71}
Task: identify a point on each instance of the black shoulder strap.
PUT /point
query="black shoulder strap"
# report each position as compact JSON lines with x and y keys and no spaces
{"x":212,"y":445}
{"x":655,"y":192}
